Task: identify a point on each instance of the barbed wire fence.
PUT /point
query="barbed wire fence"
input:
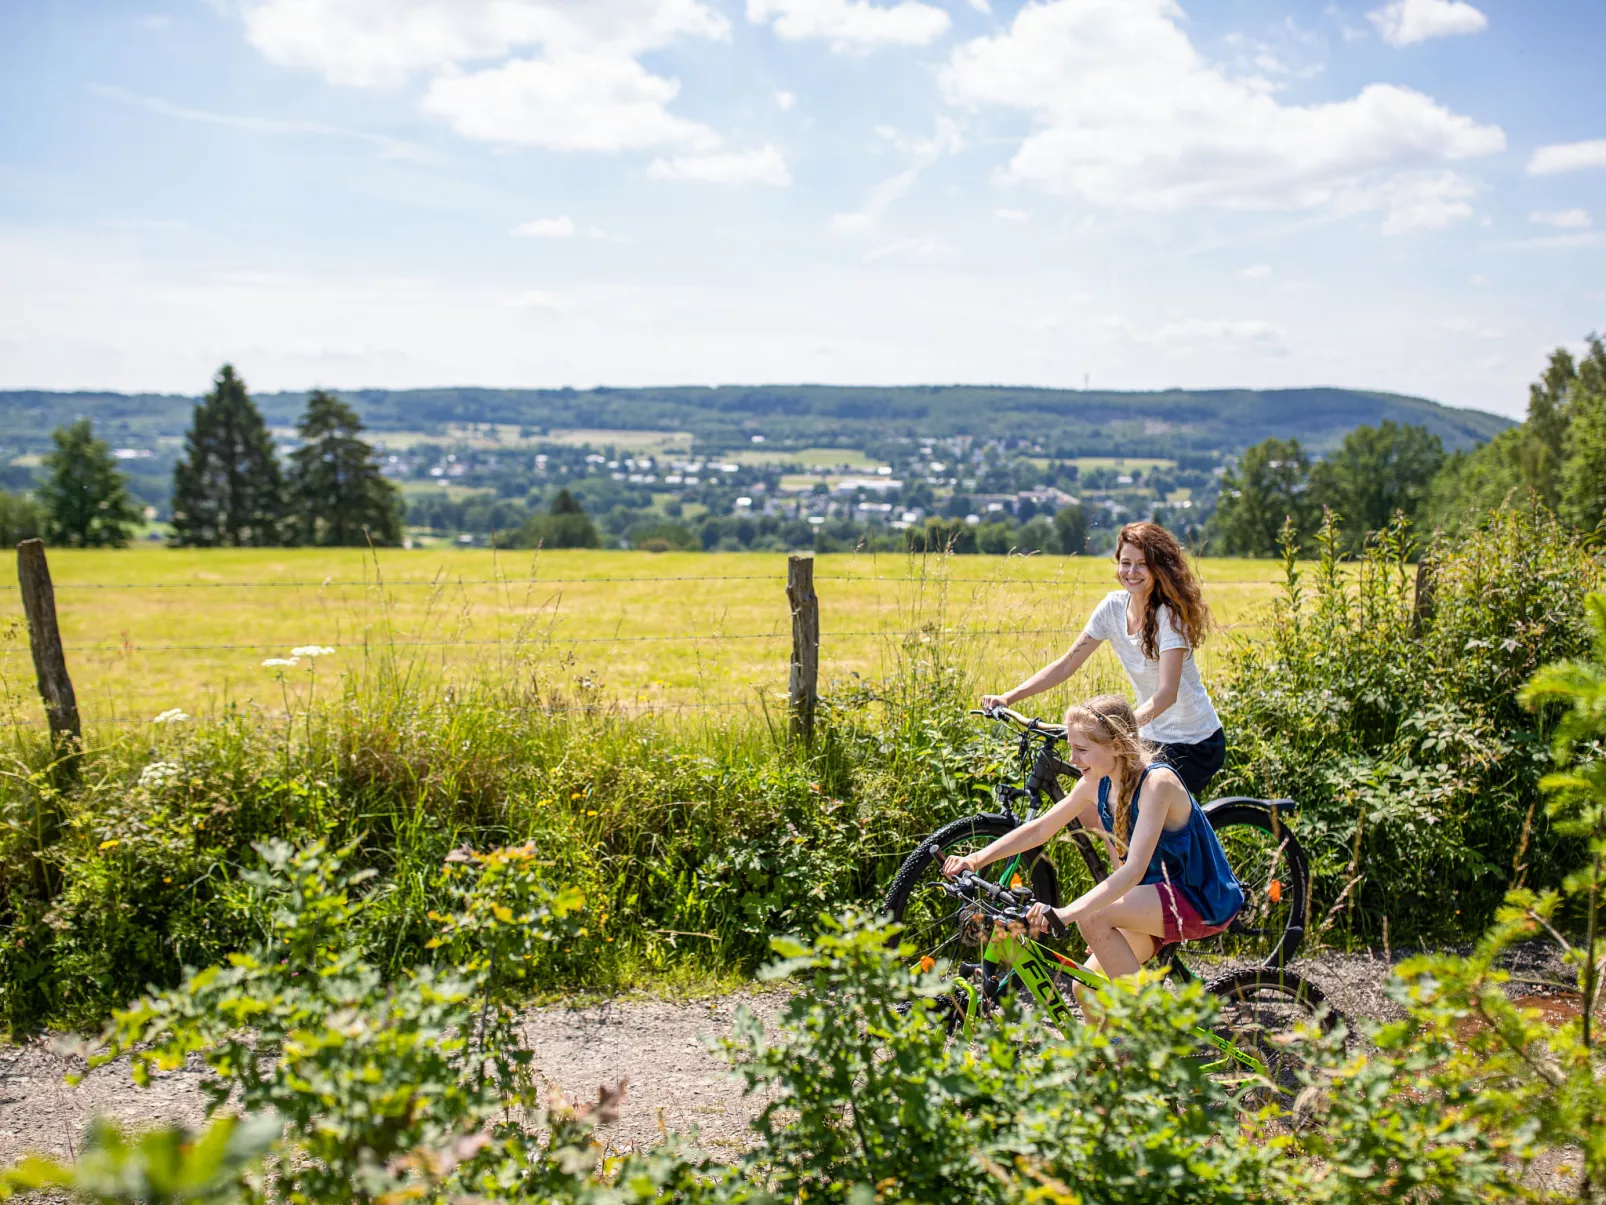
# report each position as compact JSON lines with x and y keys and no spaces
{"x":49,"y":651}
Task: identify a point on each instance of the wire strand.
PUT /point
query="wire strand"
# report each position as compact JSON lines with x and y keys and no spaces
{"x":386,"y":584}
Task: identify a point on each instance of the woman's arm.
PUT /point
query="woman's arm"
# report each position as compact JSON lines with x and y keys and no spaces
{"x":1083,"y":797}
{"x":1050,"y":675}
{"x":1161,"y":797}
{"x":1165,"y":694}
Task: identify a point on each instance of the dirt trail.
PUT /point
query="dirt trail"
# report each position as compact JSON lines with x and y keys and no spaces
{"x":660,"y":1046}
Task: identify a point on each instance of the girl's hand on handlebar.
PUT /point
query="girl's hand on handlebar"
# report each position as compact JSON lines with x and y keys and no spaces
{"x":956,"y":865}
{"x":988,"y":702}
{"x":1037,"y":918}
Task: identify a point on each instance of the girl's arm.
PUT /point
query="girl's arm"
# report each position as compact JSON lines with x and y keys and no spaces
{"x":1083,"y":797}
{"x":1162,"y":796}
{"x":1165,"y":694}
{"x":1051,"y":675}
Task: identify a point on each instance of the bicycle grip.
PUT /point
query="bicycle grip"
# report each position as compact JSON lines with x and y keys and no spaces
{"x":1056,"y":927}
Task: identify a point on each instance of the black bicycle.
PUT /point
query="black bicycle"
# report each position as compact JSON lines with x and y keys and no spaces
{"x":1254,"y":834}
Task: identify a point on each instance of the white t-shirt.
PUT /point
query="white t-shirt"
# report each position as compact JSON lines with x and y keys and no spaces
{"x":1191,"y":718}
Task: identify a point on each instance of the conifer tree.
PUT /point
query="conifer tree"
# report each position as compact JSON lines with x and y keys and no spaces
{"x":227,"y":488}
{"x":337,"y":495}
{"x":85,"y":498}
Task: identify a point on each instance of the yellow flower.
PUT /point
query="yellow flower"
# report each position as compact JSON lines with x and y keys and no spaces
{"x":112,"y":844}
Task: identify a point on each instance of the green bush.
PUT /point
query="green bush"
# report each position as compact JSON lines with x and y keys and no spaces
{"x":1398,"y":730}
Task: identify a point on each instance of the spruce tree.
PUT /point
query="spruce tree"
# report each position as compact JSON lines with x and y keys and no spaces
{"x":337,"y":495}
{"x":85,"y":498}
{"x":227,"y":488}
{"x":1583,"y":498}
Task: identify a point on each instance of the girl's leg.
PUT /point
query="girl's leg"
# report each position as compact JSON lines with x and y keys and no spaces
{"x":1139,"y":914}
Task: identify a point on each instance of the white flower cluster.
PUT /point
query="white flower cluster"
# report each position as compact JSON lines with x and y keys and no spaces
{"x":160,"y":774}
{"x":173,"y":715}
{"x":309,"y":651}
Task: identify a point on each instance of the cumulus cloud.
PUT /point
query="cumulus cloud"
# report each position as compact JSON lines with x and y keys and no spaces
{"x":548,"y":73}
{"x":1568,"y":157}
{"x":763,"y":166}
{"x":923,"y":152}
{"x":1562,"y":219}
{"x":1012,"y":215}
{"x":852,"y":25}
{"x":1256,"y":272}
{"x":558,"y":227}
{"x":575,"y":103}
{"x":784,"y":101}
{"x":916,"y":248}
{"x":1405,"y":22}
{"x":1128,"y":114}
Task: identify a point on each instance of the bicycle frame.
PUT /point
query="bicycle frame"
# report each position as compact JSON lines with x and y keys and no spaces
{"x":1028,"y":961}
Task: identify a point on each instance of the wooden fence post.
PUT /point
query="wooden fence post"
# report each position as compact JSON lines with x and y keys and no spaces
{"x":803,"y":681}
{"x":49,"y":659}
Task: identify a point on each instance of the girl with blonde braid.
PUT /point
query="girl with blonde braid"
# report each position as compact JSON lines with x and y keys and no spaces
{"x":1173,"y":883}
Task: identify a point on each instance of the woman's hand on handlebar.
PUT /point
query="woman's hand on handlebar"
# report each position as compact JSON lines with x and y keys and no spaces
{"x":956,"y":865}
{"x":988,"y":702}
{"x":1037,"y":922}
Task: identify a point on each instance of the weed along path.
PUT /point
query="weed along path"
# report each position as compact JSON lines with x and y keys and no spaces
{"x":677,"y":1083}
{"x":662,"y":1047}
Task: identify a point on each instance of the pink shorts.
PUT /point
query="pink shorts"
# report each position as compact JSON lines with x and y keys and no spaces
{"x":1182,"y":919}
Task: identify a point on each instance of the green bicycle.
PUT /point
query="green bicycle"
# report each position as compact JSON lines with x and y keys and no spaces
{"x":1261,"y":1007}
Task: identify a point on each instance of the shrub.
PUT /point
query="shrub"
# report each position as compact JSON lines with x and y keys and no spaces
{"x":1397,"y":727}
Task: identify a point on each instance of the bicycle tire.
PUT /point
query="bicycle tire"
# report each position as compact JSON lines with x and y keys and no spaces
{"x":1275,"y":874}
{"x":930,"y":918}
{"x":1262,"y":1009}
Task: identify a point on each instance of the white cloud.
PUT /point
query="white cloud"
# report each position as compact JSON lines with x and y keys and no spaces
{"x":558,"y":227}
{"x":1404,"y":22}
{"x":1561,"y":242}
{"x":148,"y":224}
{"x":1012,"y":215}
{"x":918,"y":248}
{"x":981,"y":6}
{"x":1129,"y":115}
{"x":763,"y":166}
{"x":852,"y":25}
{"x":577,"y":86}
{"x":574,"y":103}
{"x":1256,"y":272}
{"x":945,"y":139}
{"x":371,"y":43}
{"x":784,"y":101}
{"x":1568,"y":157}
{"x":1420,"y":201}
{"x":1243,"y":336}
{"x":1562,"y":219}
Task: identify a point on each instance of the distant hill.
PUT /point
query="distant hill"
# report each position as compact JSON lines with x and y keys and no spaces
{"x":1064,"y":422}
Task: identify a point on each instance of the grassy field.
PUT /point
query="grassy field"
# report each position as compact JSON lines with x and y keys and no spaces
{"x":155,"y":628}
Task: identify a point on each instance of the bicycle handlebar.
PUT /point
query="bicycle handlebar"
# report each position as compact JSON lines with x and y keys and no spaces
{"x":1023,"y":722}
{"x":1017,"y":901}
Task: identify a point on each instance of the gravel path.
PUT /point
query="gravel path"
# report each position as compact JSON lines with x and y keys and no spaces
{"x":660,"y":1046}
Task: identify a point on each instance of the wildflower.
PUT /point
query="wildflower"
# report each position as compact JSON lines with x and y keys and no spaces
{"x":173,"y":715}
{"x":312,"y":650}
{"x":160,"y":774}
{"x":280,"y":661}
{"x":112,"y":844}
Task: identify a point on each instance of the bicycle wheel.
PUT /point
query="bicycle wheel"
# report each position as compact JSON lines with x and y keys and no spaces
{"x":1271,"y":865}
{"x":1262,"y":1011}
{"x":940,"y":926}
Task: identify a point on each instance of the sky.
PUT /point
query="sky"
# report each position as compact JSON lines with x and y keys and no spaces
{"x":1406,"y":195}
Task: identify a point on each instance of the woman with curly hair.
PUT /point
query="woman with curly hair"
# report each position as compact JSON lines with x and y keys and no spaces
{"x":1154,"y":622}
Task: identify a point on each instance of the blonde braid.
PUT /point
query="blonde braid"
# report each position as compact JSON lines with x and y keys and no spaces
{"x":1108,"y":720}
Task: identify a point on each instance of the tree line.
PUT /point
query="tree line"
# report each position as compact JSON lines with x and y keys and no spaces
{"x":1558,"y":453}
{"x":229,"y":489}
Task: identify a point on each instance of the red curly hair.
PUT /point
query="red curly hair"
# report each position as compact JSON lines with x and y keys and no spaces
{"x":1175,"y":586}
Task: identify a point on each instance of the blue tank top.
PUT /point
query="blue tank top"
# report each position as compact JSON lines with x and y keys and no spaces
{"x":1189,"y":858}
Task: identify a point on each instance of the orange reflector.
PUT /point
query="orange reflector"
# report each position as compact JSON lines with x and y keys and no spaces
{"x":1275,"y":890}
{"x":1015,"y":881}
{"x":927,"y":963}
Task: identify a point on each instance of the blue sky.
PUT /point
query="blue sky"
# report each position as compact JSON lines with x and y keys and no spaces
{"x":1396,"y":194}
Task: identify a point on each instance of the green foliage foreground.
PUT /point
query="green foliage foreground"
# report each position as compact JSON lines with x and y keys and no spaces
{"x":355,"y":1088}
